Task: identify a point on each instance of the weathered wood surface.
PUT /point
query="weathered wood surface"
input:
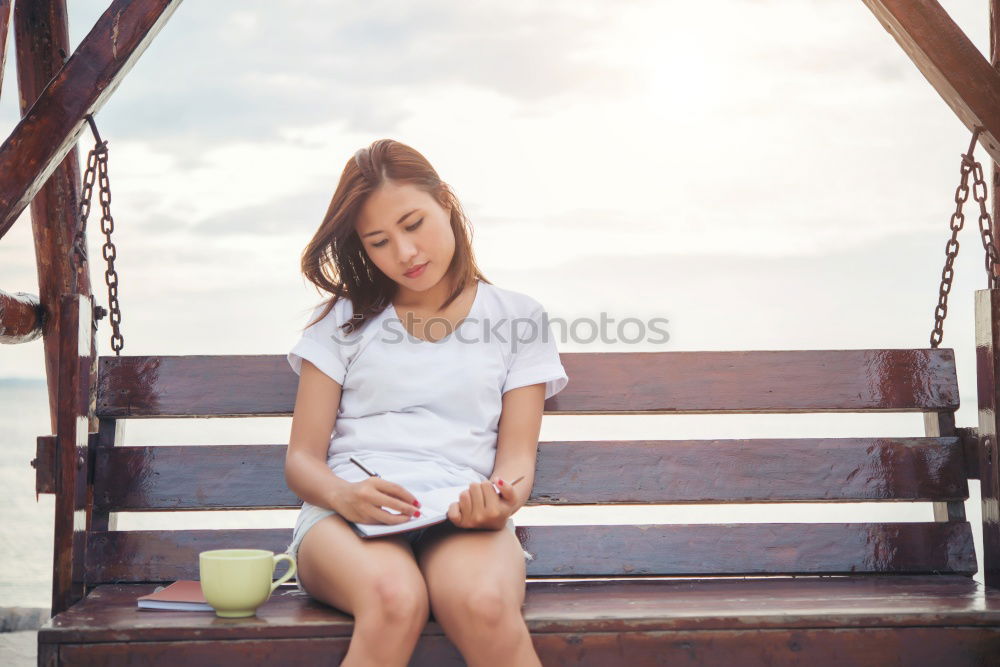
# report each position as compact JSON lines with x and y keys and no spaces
{"x":606,"y":550}
{"x":969,"y":436}
{"x":21,"y":317}
{"x":70,"y":534}
{"x":988,"y":391}
{"x":949,"y":60}
{"x":4,"y":22}
{"x":604,"y":621}
{"x":49,"y":129}
{"x":994,"y":202}
{"x":110,"y":612}
{"x":914,"y":647}
{"x":162,"y":477}
{"x":900,"y":380}
{"x":41,"y":33}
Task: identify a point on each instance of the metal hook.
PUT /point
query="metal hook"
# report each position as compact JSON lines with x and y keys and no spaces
{"x":975,"y":138}
{"x":93,"y":128}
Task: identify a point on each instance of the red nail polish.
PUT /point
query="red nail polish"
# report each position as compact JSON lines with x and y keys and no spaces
{"x":416,"y":503}
{"x":417,"y":513}
{"x":501,"y":482}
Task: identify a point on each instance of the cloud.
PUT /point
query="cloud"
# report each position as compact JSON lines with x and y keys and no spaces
{"x":575,"y":133}
{"x":223,"y":71}
{"x":302,"y":210}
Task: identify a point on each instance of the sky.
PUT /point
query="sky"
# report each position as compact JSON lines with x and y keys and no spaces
{"x":764,"y":174}
{"x":787,"y":167}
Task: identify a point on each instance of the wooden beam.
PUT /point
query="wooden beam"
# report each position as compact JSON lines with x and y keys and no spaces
{"x":949,"y":60}
{"x":21,"y":317}
{"x":995,"y":61}
{"x":942,"y":424}
{"x":41,"y":36}
{"x":76,"y":340}
{"x":49,"y":130}
{"x":4,"y":20}
{"x":987,"y":376}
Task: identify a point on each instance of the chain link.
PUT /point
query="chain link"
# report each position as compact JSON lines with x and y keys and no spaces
{"x":979,"y":192}
{"x":97,"y":168}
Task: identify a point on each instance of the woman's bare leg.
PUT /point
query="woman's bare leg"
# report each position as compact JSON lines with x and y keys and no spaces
{"x":375,"y":580}
{"x":475,"y":580}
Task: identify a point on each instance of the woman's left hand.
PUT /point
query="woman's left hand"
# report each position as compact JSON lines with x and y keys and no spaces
{"x":479,"y":506}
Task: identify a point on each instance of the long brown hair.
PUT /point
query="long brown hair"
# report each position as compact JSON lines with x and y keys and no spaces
{"x":335,"y":260}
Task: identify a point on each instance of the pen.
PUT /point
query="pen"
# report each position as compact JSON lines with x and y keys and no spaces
{"x":512,"y":483}
{"x":360,"y":465}
{"x":375,"y":474}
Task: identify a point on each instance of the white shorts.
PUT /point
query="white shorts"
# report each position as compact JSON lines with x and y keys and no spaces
{"x":310,"y":514}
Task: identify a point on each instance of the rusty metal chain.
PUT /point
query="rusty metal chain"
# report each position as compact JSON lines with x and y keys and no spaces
{"x":97,"y":167}
{"x":979,"y":192}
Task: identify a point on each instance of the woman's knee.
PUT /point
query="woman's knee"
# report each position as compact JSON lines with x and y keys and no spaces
{"x":394,"y":597}
{"x":380,"y":580}
{"x":482,"y":604}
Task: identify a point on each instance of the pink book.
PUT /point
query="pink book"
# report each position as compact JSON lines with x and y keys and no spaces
{"x":182,"y":595}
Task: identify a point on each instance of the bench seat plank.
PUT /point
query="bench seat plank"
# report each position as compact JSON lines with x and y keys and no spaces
{"x":109,"y":612}
{"x":817,"y":647}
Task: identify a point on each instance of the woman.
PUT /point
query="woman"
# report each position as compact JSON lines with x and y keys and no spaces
{"x":432,"y":377}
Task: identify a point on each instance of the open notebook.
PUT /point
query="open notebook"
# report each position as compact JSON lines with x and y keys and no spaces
{"x":433,"y":509}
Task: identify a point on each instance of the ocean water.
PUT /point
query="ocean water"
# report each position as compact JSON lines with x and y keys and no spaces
{"x":26,"y":523}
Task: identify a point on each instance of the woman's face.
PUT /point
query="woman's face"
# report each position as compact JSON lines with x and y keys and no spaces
{"x":402,"y":227}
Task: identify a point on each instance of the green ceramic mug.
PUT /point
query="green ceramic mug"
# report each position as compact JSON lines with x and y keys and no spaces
{"x":237,"y":581}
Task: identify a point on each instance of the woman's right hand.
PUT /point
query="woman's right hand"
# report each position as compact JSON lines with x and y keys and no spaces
{"x":362,"y":502}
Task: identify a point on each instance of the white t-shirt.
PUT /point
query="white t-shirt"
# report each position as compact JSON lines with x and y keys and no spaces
{"x":425,"y":414}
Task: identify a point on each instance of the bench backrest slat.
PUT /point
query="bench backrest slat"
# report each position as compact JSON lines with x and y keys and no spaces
{"x":933,"y":469}
{"x":601,"y":383}
{"x":216,"y":477}
{"x":619,"y":550}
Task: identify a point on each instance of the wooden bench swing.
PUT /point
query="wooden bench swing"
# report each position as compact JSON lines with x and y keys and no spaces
{"x":869,"y":593}
{"x":898,"y":593}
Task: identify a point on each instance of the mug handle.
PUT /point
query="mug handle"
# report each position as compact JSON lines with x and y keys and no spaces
{"x":287,"y":575}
